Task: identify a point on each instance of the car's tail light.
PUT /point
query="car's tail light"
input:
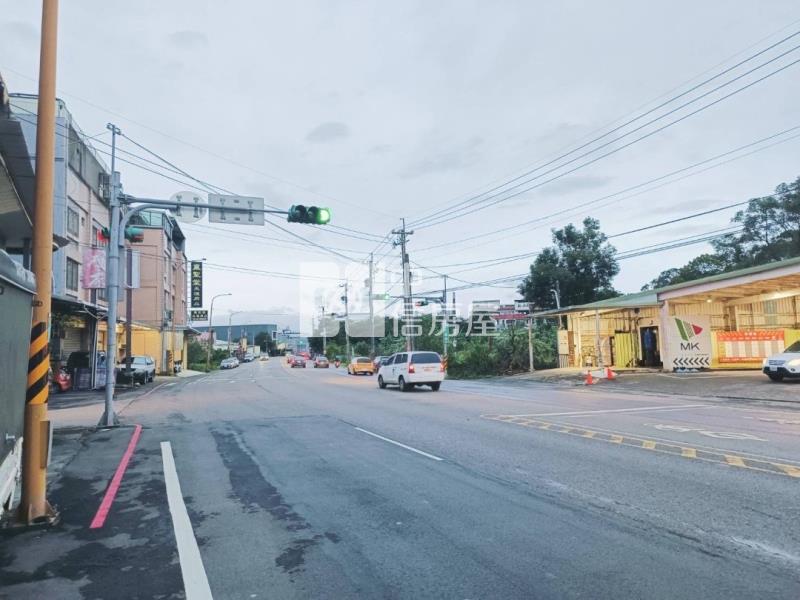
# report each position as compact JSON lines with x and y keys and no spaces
{"x":411,"y":368}
{"x":441,"y":367}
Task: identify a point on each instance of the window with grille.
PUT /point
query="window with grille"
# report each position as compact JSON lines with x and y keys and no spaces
{"x":72,"y":275}
{"x":73,"y":222}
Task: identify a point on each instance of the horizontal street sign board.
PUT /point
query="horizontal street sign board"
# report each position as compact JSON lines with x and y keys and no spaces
{"x":190,"y":207}
{"x":249,"y":210}
{"x":199,"y":315}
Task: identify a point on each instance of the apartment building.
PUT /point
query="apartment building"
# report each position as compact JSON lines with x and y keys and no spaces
{"x":80,"y":215}
{"x":159,"y":303}
{"x":80,"y":212}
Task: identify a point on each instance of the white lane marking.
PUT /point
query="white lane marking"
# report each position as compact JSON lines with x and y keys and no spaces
{"x":169,"y":384}
{"x":616,"y":410}
{"x":195,"y":581}
{"x":385,"y":439}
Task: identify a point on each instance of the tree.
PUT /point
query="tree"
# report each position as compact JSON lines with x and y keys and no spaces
{"x":580,"y":265}
{"x":701,"y":266}
{"x":264,"y":341}
{"x":770,"y":231}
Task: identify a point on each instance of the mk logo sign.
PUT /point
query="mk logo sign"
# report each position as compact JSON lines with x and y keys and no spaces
{"x":690,"y":346}
{"x":686,"y":329}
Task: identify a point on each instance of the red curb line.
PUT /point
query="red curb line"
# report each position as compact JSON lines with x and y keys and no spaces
{"x":105,"y":506}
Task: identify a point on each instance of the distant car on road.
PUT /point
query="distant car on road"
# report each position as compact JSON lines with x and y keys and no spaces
{"x":263,"y":357}
{"x":408,"y":369}
{"x":249,"y":357}
{"x":143,"y":369}
{"x":376,"y":362}
{"x":229,"y":363}
{"x":360,"y":364}
{"x":321,"y":362}
{"x":785,"y":364}
{"x":298,"y":362}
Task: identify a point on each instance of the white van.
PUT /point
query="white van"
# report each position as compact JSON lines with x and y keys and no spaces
{"x":407,"y":369}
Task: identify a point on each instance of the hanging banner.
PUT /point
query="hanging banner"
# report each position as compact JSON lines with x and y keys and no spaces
{"x":196,"y":281}
{"x":749,"y":346}
{"x":689,"y":340}
{"x":94,"y":269}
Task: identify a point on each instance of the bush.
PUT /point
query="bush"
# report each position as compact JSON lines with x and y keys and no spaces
{"x":198,"y":367}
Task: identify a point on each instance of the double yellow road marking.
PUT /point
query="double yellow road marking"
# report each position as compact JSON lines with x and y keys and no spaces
{"x":733,"y":460}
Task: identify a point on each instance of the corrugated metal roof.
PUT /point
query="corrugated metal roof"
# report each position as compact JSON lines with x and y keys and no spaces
{"x":733,"y":274}
{"x":635,"y":300}
{"x":650,"y":297}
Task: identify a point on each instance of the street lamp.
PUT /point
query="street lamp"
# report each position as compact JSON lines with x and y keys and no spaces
{"x":211,"y":329}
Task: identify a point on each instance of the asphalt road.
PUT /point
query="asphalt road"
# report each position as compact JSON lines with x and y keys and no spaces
{"x":315,"y":484}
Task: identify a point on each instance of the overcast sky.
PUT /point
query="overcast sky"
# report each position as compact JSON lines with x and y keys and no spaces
{"x":386,"y":110}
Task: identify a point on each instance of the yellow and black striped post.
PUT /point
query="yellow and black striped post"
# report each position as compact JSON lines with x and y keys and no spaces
{"x":38,"y":365}
{"x":34,"y":507}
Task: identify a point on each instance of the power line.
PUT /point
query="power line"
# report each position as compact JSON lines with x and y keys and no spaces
{"x":496,"y":199}
{"x":200,"y":148}
{"x":665,"y":94}
{"x":601,"y":200}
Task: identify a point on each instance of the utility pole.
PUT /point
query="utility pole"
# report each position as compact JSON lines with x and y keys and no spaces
{"x":230,"y":316}
{"x":34,"y":507}
{"x":346,"y":287}
{"x":112,"y":284}
{"x":408,"y":307}
{"x":446,"y":321}
{"x":211,"y":329}
{"x":371,"y":309}
{"x":324,"y":332}
{"x":530,"y":345}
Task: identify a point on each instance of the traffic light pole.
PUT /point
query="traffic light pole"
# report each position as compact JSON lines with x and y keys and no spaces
{"x":112,"y":284}
{"x":129,"y":314}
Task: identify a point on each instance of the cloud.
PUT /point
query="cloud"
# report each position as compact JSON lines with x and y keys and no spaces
{"x":452,"y":160}
{"x":574,"y":184}
{"x":21,"y":31}
{"x":380,"y":148}
{"x":188,"y":39}
{"x":328,"y":132}
{"x":678,"y":207}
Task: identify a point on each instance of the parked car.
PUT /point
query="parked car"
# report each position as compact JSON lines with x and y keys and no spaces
{"x":298,"y":362}
{"x":229,"y":363}
{"x":360,"y":364}
{"x":407,"y":369}
{"x":143,"y":368}
{"x":321,"y":362}
{"x":249,"y":357}
{"x":785,"y":364}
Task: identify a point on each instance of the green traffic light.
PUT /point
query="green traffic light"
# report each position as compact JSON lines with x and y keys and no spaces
{"x":298,"y":213}
{"x":323,"y":216}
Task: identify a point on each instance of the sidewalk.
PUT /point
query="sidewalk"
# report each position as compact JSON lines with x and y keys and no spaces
{"x":132,"y":554}
{"x":739,"y":385}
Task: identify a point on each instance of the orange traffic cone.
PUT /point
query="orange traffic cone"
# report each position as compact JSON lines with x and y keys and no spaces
{"x":610,"y":374}
{"x":589,"y":378}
